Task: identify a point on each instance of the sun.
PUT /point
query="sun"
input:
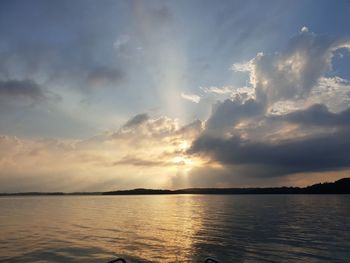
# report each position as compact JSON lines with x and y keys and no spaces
{"x":181,"y":160}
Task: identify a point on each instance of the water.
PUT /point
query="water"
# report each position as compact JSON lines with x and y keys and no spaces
{"x":175,"y":228}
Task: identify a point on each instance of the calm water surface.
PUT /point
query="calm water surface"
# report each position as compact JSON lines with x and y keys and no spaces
{"x":175,"y":228}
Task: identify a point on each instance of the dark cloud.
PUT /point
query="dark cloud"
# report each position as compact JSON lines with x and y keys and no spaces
{"x":225,"y":176}
{"x":228,"y":113}
{"x":192,"y":129}
{"x":246,"y":141}
{"x":137,"y":120}
{"x":25,"y":90}
{"x":22,"y":88}
{"x":312,"y":153}
{"x":68,"y":50}
{"x":318,"y":115}
{"x":134,"y":161}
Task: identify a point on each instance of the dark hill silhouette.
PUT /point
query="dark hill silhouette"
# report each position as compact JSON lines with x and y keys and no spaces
{"x":341,"y":186}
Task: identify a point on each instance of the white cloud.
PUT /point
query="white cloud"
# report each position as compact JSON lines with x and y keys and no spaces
{"x":121,"y":41}
{"x":293,"y":73}
{"x":191,"y":97}
{"x":230,"y":92}
{"x":218,"y":90}
{"x":304,"y":29}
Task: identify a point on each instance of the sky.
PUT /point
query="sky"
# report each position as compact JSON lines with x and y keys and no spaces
{"x":106,"y":95}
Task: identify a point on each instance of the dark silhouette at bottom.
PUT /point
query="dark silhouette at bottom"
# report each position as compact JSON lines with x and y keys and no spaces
{"x":121,"y":260}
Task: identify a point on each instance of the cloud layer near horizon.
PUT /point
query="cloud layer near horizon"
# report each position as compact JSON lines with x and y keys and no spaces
{"x":144,"y":152}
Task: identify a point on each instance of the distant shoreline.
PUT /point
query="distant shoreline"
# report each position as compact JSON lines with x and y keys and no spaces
{"x":341,"y":186}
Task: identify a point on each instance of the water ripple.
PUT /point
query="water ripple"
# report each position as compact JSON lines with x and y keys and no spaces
{"x":175,"y":228}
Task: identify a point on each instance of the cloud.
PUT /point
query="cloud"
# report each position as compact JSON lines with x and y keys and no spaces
{"x":218,"y":90}
{"x":332,"y":92}
{"x":294,"y":72}
{"x":146,"y":151}
{"x":297,"y":120}
{"x":304,"y":29}
{"x":191,"y":130}
{"x":191,"y":97}
{"x":292,"y":118}
{"x":242,"y":93}
{"x":317,"y":115}
{"x":134,"y":161}
{"x":309,"y":154}
{"x":25,"y":90}
{"x":225,"y":115}
{"x":142,"y":127}
{"x":122,"y":45}
{"x":136,"y":120}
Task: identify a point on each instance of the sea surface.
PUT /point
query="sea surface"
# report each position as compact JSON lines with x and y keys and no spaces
{"x":175,"y":228}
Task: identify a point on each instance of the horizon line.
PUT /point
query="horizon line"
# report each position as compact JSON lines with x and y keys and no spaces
{"x":195,"y":190}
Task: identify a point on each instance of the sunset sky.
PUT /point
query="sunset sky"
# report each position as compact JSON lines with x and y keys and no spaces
{"x":104,"y":95}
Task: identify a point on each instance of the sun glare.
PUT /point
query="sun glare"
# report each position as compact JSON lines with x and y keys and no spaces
{"x":180,"y":160}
